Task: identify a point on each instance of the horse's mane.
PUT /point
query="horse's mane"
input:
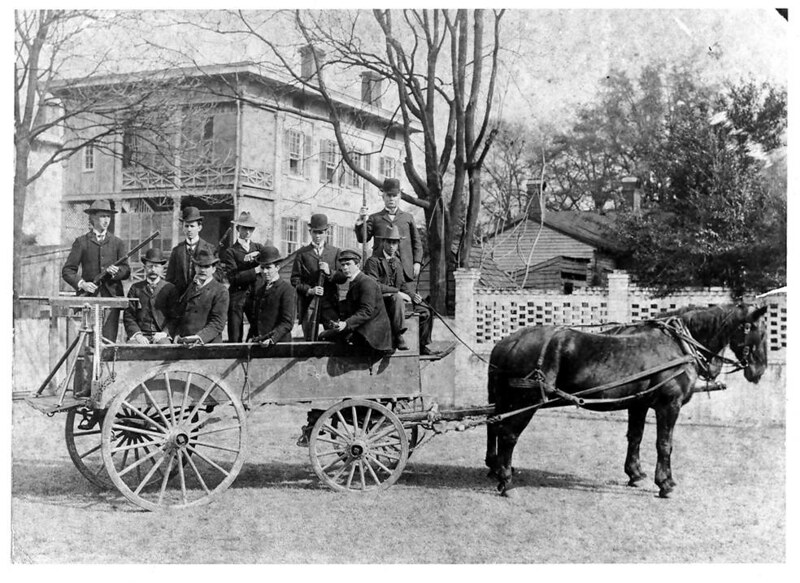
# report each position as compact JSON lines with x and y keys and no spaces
{"x":704,"y":321}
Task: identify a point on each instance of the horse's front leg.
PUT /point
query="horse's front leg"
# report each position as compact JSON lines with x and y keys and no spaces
{"x":491,"y":450}
{"x":633,"y":467}
{"x":666,"y":417}
{"x":508,"y":432}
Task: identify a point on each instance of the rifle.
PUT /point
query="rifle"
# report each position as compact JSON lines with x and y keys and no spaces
{"x":99,"y":279}
{"x":312,"y":312}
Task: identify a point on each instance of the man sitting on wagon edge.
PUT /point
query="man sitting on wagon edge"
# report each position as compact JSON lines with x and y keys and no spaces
{"x":271,"y":304}
{"x":148,"y":320}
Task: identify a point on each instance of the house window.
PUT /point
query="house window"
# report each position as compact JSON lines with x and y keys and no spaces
{"x":294,"y":144}
{"x":328,"y":161}
{"x":290,"y":234}
{"x":343,"y":237}
{"x":128,"y":148}
{"x":361,"y":161}
{"x":388,"y":167}
{"x":88,"y":158}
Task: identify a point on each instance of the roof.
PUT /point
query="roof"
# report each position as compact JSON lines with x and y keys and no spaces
{"x":590,"y":227}
{"x":491,"y":275}
{"x":269,"y":74}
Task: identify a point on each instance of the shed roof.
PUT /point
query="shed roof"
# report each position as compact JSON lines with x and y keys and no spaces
{"x":590,"y":227}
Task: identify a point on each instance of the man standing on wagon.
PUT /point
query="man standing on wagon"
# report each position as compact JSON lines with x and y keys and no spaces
{"x":203,"y":309}
{"x":312,"y":272}
{"x":180,"y":269}
{"x":148,"y":320}
{"x":410,"y":250}
{"x":240,"y":264}
{"x":94,"y":255}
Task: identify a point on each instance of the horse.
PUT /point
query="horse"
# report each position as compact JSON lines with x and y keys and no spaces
{"x":650,"y":366}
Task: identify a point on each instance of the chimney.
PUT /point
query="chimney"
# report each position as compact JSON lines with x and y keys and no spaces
{"x":307,"y":66}
{"x":371,"y":88}
{"x":631,"y":195}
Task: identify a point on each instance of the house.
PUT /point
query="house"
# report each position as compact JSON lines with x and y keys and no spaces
{"x":246,"y":139}
{"x":560,"y":250}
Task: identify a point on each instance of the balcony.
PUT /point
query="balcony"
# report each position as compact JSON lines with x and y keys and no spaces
{"x":200,"y":177}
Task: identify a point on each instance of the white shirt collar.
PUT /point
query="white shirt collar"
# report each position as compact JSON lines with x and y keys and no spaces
{"x":244,"y":243}
{"x":195,"y":242}
{"x":98,"y":234}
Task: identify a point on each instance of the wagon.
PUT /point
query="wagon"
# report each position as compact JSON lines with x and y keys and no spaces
{"x":166,"y":425}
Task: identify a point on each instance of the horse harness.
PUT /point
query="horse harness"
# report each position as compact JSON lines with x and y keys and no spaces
{"x":536,"y":378}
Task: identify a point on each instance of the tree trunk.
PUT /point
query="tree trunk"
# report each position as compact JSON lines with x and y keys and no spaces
{"x":434,"y":217}
{"x":22,"y":153}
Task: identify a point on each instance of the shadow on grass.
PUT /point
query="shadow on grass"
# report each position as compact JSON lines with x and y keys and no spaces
{"x":58,"y":482}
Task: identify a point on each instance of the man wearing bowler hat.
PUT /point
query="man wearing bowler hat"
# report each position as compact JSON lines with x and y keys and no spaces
{"x":203,"y":309}
{"x":387,"y":271}
{"x":312,"y":277}
{"x":94,"y":254}
{"x":410,"y":250}
{"x":241,"y":266}
{"x":180,"y":269}
{"x":148,"y":321}
{"x":272,"y":302}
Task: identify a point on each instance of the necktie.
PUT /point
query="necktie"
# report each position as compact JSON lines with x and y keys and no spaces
{"x":100,"y":238}
{"x":151,"y":288}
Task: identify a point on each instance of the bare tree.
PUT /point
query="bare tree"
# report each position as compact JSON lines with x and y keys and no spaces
{"x":435,"y":61}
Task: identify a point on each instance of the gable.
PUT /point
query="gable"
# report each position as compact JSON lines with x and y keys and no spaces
{"x":528,"y":244}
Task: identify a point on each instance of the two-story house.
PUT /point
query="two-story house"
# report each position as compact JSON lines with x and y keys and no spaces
{"x":244,"y":140}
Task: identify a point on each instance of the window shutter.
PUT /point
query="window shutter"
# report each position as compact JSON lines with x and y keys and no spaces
{"x":287,"y":148}
{"x":307,"y":156}
{"x":323,"y":161}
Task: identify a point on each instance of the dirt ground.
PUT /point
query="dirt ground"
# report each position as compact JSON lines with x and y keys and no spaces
{"x":572,"y":505}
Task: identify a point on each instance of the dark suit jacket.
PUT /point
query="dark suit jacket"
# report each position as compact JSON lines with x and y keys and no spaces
{"x":153,"y":313}
{"x":240,"y":274}
{"x":203,"y":312}
{"x":273,"y":309}
{"x":390,"y":280}
{"x":179,"y":268}
{"x":92,"y":259}
{"x":410,"y":249}
{"x":366,"y":314}
{"x":305,"y":275}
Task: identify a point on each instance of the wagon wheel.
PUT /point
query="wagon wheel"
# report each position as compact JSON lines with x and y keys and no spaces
{"x":83,"y":437}
{"x":358,"y":445}
{"x":174,"y":439}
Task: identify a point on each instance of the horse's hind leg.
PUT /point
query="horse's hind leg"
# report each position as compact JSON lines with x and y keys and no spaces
{"x":636,"y":419}
{"x":508,"y":432}
{"x":491,"y":432}
{"x":666,"y":417}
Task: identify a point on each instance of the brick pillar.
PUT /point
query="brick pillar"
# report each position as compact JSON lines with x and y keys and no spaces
{"x":619,"y":307}
{"x":468,"y":388}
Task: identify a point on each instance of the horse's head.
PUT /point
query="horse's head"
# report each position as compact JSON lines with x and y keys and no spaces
{"x":748,"y":341}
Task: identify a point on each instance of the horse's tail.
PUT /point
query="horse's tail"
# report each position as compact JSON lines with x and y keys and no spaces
{"x":495,"y":378}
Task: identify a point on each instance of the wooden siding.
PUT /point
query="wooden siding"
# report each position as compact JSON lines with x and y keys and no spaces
{"x":512,"y":249}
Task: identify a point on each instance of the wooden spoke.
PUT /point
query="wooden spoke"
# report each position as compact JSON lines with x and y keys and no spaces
{"x":85,"y":446}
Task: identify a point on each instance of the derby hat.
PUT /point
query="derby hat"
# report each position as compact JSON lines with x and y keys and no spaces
{"x":191,"y":213}
{"x":154,"y":255}
{"x":318,"y":222}
{"x":205,"y":258}
{"x":99,"y":206}
{"x":268,"y":255}
{"x":391,"y":186}
{"x":349,"y":254}
{"x":245,"y":220}
{"x":389,"y":232}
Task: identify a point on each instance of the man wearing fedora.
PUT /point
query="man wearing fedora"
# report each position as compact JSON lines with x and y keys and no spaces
{"x":240,"y":264}
{"x":203,"y":309}
{"x":410,"y":250}
{"x":364,"y":320}
{"x":94,"y":254}
{"x":388,"y":272}
{"x":148,"y":321}
{"x":272,"y":302}
{"x":180,"y":269}
{"x":312,"y":276}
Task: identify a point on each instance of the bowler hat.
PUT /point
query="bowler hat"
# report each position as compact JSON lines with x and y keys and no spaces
{"x":154,"y":255}
{"x":391,"y":186}
{"x":269,"y":254}
{"x":350,"y":254}
{"x":99,"y":206}
{"x":191,"y":213}
{"x":245,"y":220}
{"x":204,"y":258}
{"x":318,"y":222}
{"x":388,"y":232}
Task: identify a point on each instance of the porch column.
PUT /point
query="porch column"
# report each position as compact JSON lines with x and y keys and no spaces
{"x":619,"y":306}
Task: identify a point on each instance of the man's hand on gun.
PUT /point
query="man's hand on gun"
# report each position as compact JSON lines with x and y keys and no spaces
{"x":193,"y":340}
